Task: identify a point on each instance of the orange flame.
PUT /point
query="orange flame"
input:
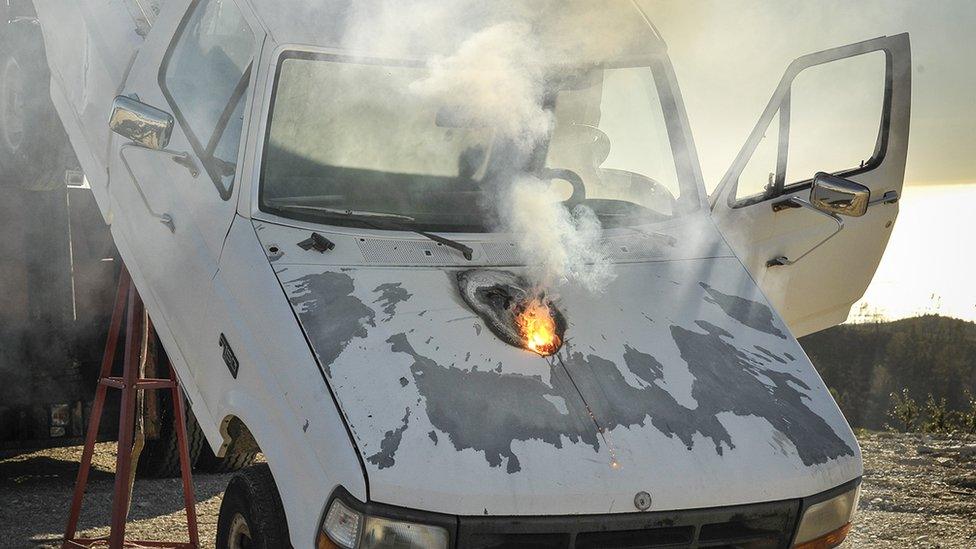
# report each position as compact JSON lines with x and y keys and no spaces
{"x":538,"y":328}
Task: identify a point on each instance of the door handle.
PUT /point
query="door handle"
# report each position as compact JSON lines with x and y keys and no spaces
{"x":889,"y":197}
{"x":163,"y":217}
{"x":795,"y":202}
{"x":185,"y":160}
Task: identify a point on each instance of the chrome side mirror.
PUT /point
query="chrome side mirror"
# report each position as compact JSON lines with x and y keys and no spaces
{"x":144,"y":124}
{"x":836,"y":195}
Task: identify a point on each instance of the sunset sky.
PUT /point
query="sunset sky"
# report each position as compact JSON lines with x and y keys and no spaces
{"x":729,"y":55}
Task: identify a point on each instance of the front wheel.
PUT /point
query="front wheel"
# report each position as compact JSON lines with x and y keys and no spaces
{"x":235,"y":459}
{"x":251,"y":514}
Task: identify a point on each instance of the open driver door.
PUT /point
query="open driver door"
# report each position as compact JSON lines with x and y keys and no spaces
{"x":810,"y":200}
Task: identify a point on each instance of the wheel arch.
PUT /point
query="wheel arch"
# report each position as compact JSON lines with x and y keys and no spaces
{"x":232,"y":429}
{"x":299,"y":477}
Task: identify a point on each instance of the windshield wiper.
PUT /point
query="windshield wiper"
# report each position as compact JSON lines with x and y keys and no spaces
{"x":355,"y":214}
{"x":383,"y":221}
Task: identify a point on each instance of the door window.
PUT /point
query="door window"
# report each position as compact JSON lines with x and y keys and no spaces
{"x":204,"y":77}
{"x":831,"y":121}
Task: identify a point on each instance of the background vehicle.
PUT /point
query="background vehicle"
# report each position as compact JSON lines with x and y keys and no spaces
{"x":59,"y":268}
{"x":280,"y":343}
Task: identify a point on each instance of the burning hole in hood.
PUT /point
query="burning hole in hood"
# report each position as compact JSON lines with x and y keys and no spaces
{"x":517,"y":313}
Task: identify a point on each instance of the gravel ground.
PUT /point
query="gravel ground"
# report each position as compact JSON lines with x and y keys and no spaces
{"x":36,"y":489}
{"x":918,"y":491}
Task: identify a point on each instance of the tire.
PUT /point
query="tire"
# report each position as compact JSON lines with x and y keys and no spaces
{"x":251,"y":514}
{"x":235,"y":459}
{"x":34,"y":148}
{"x":160,"y":458}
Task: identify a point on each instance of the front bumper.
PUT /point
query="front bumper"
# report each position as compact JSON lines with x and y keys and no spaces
{"x":770,"y":525}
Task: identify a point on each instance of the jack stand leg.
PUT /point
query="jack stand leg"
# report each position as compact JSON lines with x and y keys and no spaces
{"x":108,"y":358}
{"x":138,"y":329}
{"x":185,"y":465}
{"x":123,"y":461}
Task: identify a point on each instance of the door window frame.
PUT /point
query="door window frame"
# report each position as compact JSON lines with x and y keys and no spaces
{"x":780,"y":187}
{"x":204,"y":152}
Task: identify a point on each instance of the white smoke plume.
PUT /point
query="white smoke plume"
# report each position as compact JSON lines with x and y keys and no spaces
{"x":495,"y":77}
{"x":491,"y":68}
{"x":563,"y":245}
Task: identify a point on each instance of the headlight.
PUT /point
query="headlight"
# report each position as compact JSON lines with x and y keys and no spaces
{"x":347,"y":528}
{"x":826,"y":524}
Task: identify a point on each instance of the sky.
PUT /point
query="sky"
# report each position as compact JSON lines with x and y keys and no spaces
{"x":730,"y":54}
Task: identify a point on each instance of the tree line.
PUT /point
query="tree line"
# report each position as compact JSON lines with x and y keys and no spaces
{"x":911,"y":374}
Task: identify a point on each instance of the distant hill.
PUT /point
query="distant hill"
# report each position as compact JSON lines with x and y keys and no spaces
{"x":864,"y":363}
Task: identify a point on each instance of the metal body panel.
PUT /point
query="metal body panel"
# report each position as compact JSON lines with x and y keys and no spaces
{"x":678,"y":380}
{"x":90,"y":46}
{"x":819,"y":291}
{"x":279,"y":393}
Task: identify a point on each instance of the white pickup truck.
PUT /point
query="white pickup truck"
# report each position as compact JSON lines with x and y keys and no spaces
{"x":315,"y":242}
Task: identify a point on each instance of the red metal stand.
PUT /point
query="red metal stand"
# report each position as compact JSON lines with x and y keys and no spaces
{"x":127,"y":298}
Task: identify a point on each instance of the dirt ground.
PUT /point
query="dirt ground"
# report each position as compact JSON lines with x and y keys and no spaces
{"x":918,"y":491}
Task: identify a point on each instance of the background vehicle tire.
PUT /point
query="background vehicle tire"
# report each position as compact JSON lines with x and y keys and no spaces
{"x":160,"y":458}
{"x":251,"y":514}
{"x":235,"y":459}
{"x":34,"y":148}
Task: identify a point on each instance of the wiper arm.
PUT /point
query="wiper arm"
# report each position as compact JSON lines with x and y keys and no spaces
{"x":353,"y":214}
{"x":385,"y":221}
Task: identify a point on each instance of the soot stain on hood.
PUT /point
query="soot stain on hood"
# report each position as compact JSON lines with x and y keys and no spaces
{"x":751,"y":313}
{"x":726,"y":379}
{"x":331,"y":315}
{"x":488,"y":411}
{"x":389,"y":445}
{"x":391,"y":294}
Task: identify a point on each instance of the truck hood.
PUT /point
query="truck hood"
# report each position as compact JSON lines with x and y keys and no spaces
{"x":678,"y":379}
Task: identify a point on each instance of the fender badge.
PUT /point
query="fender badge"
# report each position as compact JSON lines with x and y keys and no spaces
{"x":230,"y":359}
{"x":642,"y":501}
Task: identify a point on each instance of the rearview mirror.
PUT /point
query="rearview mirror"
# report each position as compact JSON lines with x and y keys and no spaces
{"x":836,"y":195}
{"x":142,"y":123}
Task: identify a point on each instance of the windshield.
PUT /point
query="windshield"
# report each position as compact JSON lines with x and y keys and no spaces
{"x":353,"y":135}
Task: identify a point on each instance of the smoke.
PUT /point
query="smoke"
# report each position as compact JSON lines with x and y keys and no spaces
{"x":494,"y":78}
{"x":564,"y":244}
{"x":489,"y":69}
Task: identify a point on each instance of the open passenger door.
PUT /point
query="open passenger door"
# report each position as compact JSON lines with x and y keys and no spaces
{"x":814,"y":261}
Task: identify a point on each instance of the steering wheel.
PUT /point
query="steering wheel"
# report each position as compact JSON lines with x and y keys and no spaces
{"x":654,"y":194}
{"x":573,"y":178}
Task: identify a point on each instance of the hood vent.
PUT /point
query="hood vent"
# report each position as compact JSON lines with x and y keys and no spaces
{"x":388,"y":251}
{"x":407,"y":252}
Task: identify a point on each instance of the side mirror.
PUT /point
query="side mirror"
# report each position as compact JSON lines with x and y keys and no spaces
{"x":836,"y":195}
{"x":141,"y":123}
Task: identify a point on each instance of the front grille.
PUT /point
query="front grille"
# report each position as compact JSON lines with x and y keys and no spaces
{"x":759,"y":526}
